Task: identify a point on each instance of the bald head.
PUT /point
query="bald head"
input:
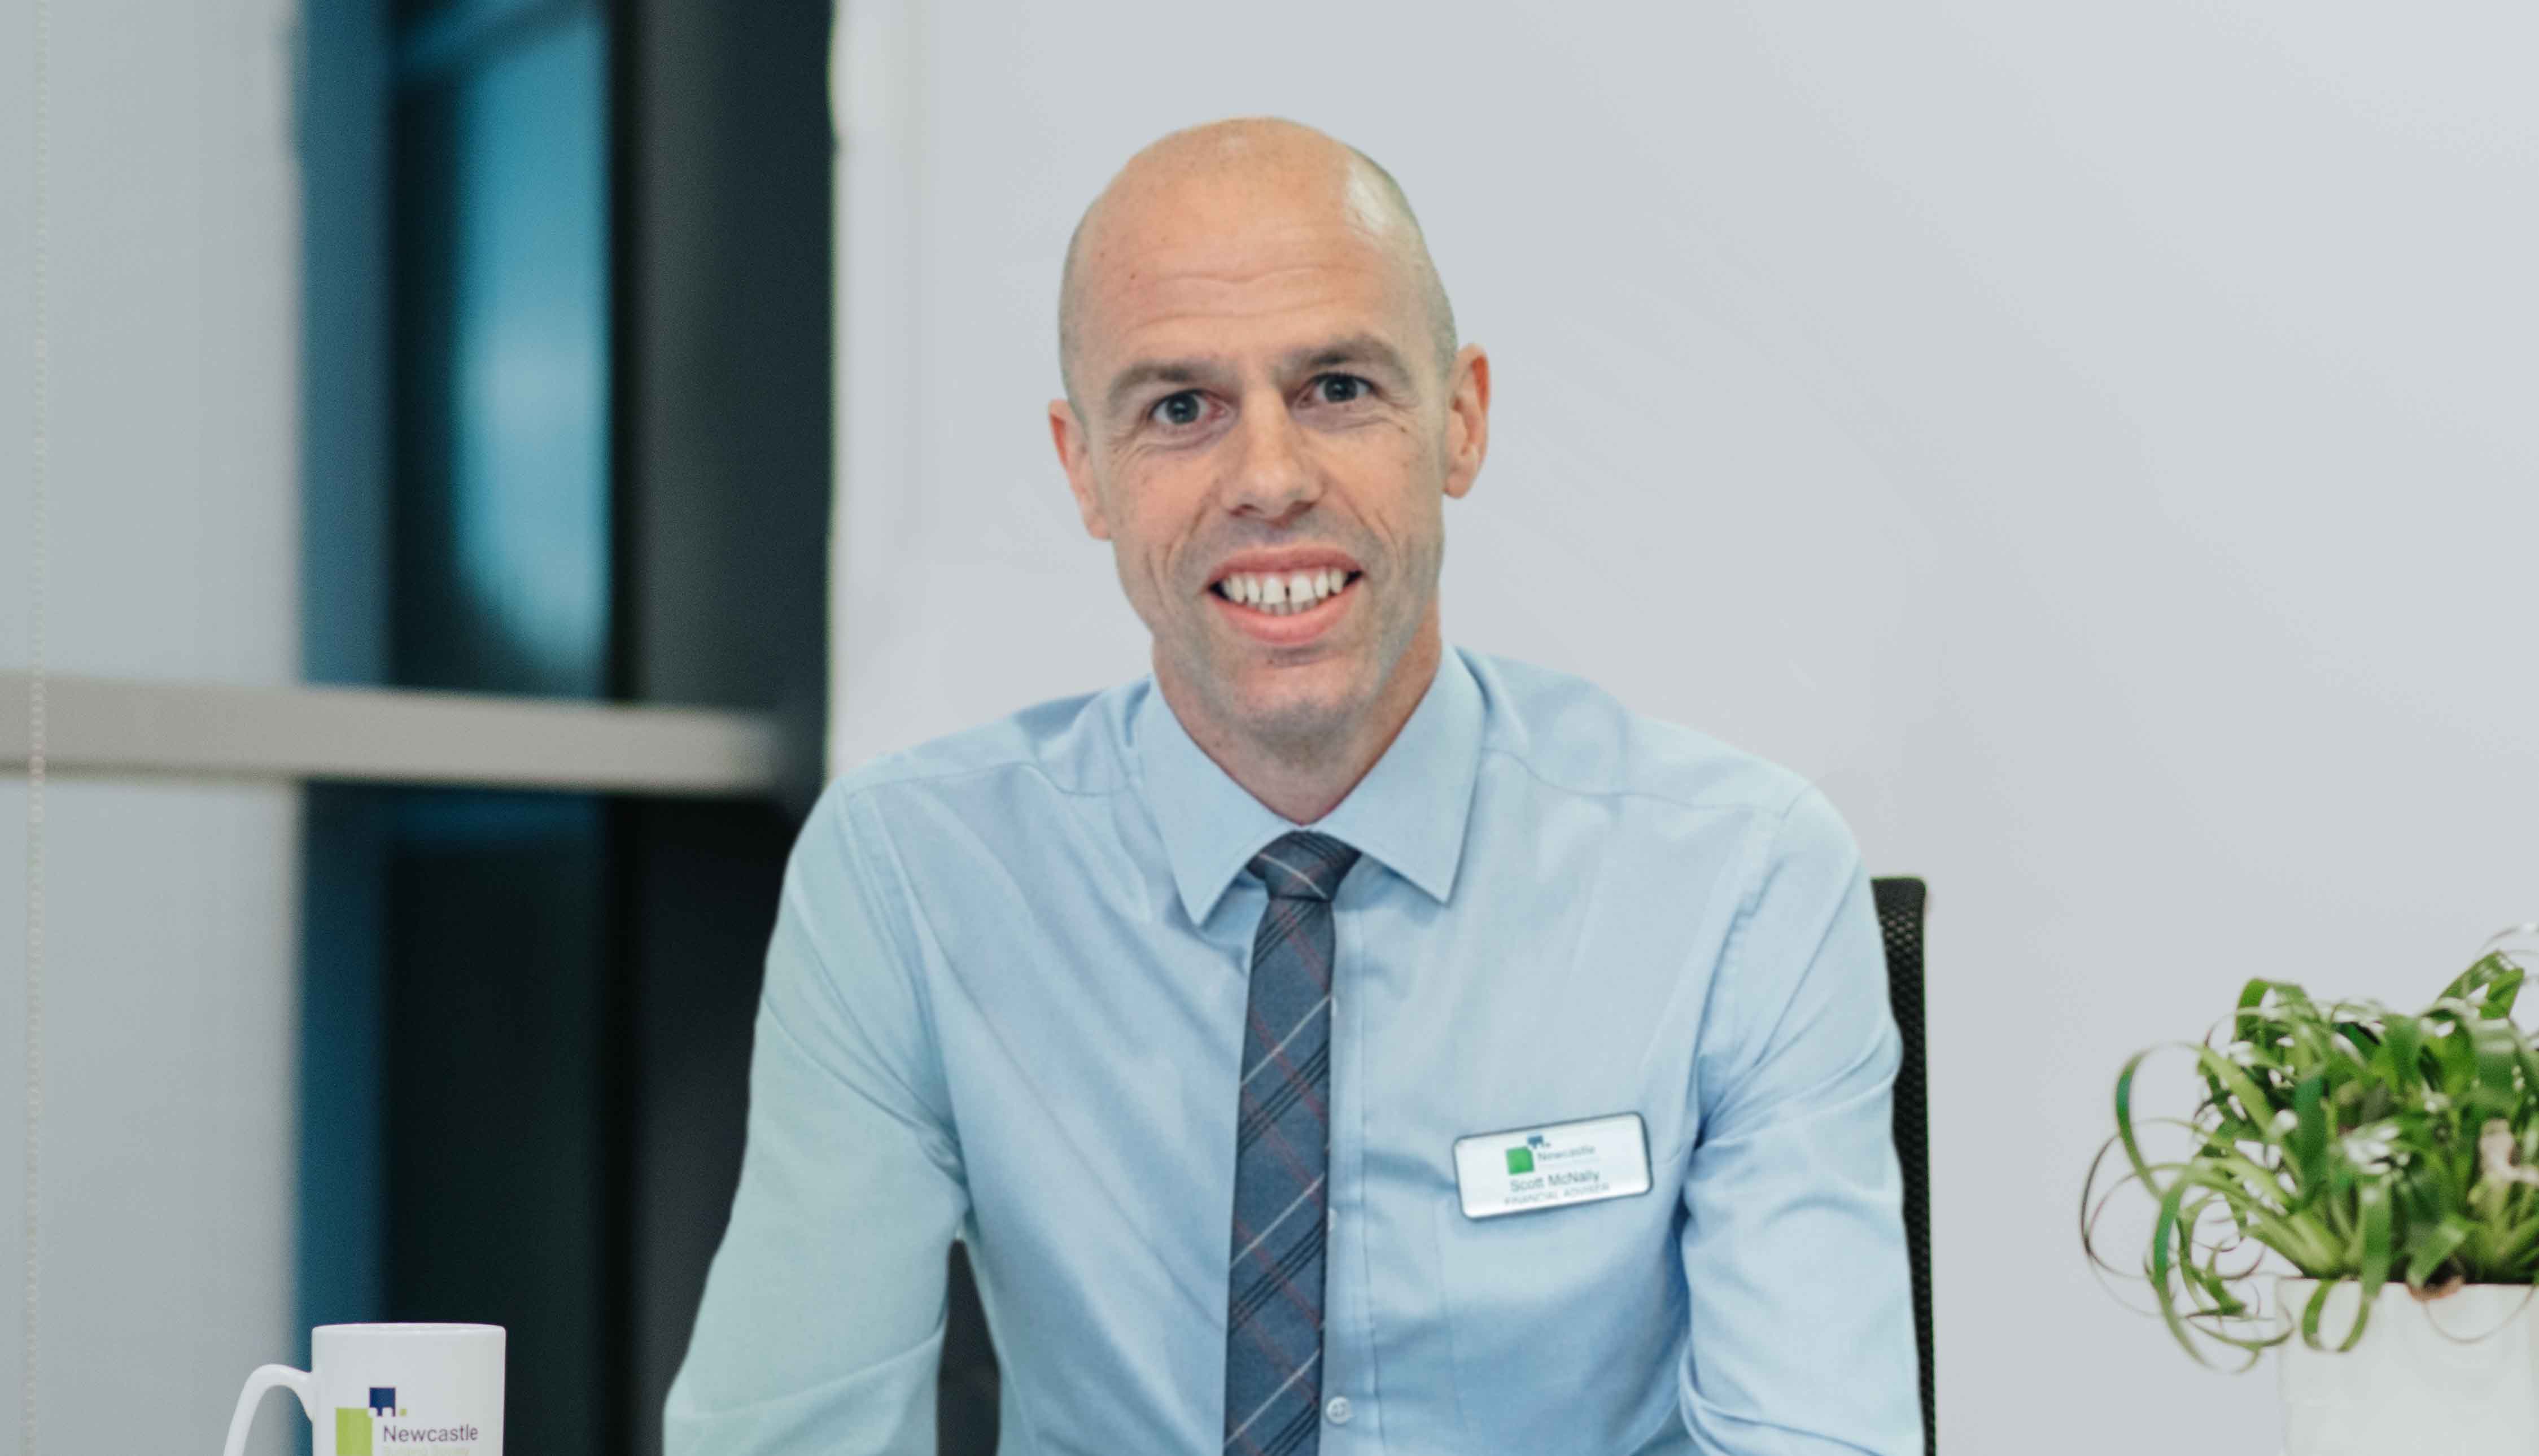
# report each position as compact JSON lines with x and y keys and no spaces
{"x":1231,"y":174}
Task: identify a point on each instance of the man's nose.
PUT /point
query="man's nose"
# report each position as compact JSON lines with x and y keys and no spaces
{"x":1271,"y":476}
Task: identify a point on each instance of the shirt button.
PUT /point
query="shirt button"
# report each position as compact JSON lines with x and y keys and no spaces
{"x":1337,"y":1410}
{"x":1334,"y":1220}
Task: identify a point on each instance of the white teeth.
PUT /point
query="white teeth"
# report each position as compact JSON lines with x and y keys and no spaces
{"x":1282,"y":595}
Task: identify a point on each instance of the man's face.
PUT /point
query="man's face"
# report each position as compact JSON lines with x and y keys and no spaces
{"x":1268,"y":439}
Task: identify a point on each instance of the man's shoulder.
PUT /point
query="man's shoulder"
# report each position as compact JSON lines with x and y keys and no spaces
{"x":1572,"y":735}
{"x":1067,"y":746}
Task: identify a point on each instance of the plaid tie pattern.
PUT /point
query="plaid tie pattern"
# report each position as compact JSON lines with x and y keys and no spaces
{"x":1274,"y":1319}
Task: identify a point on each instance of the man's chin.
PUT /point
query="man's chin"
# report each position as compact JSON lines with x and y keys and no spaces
{"x":1292,"y":709}
{"x":1300,"y":705}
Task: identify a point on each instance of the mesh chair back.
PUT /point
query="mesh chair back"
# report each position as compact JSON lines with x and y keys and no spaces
{"x":1901,"y":903}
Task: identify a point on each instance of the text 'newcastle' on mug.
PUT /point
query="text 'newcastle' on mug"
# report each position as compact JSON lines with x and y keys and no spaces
{"x":372,"y":1390}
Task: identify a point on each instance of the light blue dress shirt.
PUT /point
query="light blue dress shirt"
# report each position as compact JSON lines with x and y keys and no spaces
{"x":1004,"y":1002}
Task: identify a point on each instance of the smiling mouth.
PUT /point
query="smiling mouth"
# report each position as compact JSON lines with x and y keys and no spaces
{"x":1284,"y":594}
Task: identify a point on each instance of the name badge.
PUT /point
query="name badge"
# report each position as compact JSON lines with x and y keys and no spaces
{"x":1547,"y":1167}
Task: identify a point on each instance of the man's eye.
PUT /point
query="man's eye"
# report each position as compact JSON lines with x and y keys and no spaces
{"x":1177,"y":409}
{"x":1339,"y":388}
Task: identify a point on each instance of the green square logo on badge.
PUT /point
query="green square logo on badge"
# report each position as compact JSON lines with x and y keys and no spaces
{"x":1520,"y":1160}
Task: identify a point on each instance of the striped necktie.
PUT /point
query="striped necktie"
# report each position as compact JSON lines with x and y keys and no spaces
{"x":1274,"y":1318}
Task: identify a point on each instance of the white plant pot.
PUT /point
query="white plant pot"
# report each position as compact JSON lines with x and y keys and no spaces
{"x":2454,"y":1374}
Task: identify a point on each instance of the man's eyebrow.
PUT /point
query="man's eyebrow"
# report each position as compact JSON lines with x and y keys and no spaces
{"x":1362,"y":349}
{"x":1138,"y":375}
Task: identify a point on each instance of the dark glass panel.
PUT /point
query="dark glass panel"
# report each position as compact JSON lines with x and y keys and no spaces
{"x":502,"y":547}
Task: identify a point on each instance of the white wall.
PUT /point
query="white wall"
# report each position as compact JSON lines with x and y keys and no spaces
{"x":2096,"y":443}
{"x":169,"y":1001}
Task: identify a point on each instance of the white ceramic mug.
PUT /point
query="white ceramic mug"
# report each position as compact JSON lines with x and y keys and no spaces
{"x":392,"y":1390}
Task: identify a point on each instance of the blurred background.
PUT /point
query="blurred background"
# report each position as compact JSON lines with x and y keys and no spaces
{"x":479,"y":347}
{"x":473,"y":468}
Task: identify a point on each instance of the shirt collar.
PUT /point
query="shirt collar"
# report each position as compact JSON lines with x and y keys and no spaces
{"x":1408,"y":812}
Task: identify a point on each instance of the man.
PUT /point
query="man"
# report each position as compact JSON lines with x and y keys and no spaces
{"x":1333,"y":1042}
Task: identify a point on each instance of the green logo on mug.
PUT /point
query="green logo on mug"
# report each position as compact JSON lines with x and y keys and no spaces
{"x":352,"y":1431}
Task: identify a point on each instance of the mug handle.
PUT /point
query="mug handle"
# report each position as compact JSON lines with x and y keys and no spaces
{"x":300,"y":1383}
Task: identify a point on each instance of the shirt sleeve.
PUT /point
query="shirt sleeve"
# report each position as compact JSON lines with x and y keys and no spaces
{"x":1794,"y":1258}
{"x":822,"y":1324}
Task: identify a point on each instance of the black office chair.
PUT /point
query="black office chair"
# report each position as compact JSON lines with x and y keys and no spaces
{"x":1901,"y":903}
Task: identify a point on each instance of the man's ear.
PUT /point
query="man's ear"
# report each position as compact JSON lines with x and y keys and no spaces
{"x":1075,"y":454}
{"x":1467,"y":419}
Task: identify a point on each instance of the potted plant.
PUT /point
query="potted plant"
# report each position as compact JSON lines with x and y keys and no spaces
{"x":2336,"y":1150}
